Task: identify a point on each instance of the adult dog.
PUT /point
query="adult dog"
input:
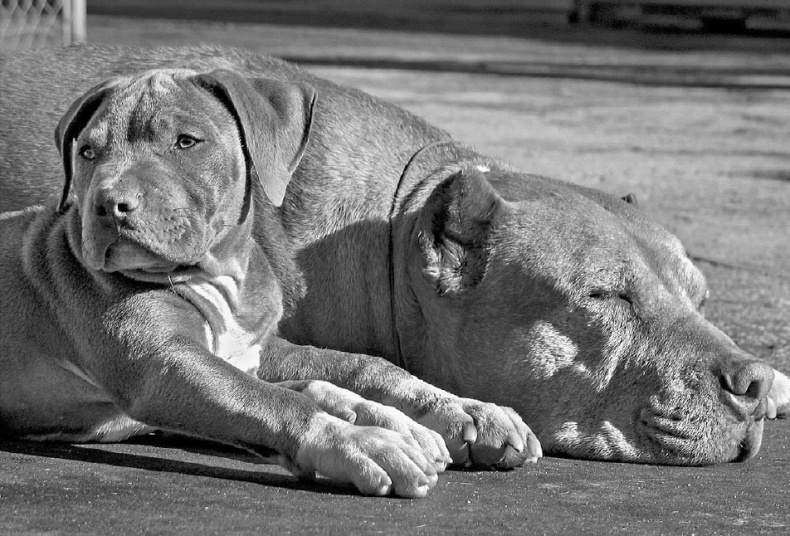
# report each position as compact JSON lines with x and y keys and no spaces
{"x":148,"y":301}
{"x":561,"y":301}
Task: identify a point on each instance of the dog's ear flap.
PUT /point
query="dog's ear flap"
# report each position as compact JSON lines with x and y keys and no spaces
{"x":454,"y":231}
{"x":68,"y":130}
{"x":274,"y":119}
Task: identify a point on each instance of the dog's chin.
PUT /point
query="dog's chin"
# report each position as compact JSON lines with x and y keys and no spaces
{"x":658,"y":441}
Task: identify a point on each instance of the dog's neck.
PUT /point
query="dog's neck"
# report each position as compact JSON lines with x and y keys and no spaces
{"x":427,"y":169}
{"x":232,"y":287}
{"x":237,"y":295}
{"x":235,"y":324}
{"x":229,"y":255}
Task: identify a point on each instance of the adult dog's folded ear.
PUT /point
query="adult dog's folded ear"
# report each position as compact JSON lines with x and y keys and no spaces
{"x":630,"y":199}
{"x":69,"y":127}
{"x":274,"y":120}
{"x":455,"y":229}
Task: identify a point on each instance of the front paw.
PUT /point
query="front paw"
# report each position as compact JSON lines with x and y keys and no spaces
{"x":481,"y":434}
{"x":375,"y":460}
{"x":778,"y":399}
{"x":355,"y":409}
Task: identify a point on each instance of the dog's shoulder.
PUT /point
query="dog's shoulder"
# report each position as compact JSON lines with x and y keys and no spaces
{"x":16,"y":228}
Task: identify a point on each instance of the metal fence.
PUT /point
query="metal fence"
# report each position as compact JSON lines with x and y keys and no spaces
{"x":40,"y":23}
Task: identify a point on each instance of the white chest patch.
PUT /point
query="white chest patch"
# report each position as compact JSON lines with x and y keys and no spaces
{"x":217,"y":299}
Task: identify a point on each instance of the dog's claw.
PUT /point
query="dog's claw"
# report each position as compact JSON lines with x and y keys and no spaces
{"x":534,"y":448}
{"x":482,"y":434}
{"x":515,"y":441}
{"x":770,"y":409}
{"x":470,"y":433}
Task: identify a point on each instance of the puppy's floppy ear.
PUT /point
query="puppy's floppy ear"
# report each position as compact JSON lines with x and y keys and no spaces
{"x":68,"y":130}
{"x":454,"y":230}
{"x":274,"y":119}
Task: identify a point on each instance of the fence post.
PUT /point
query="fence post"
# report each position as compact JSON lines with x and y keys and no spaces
{"x":78,"y":21}
{"x":66,"y":25}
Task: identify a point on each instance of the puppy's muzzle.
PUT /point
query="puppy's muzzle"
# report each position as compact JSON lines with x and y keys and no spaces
{"x":117,"y":206}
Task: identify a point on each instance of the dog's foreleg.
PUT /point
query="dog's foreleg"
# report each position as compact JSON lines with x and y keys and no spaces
{"x":476,"y":433}
{"x":180,"y":386}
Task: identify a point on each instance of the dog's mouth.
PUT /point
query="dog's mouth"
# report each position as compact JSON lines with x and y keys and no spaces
{"x":136,"y":262}
{"x":179,"y":274}
{"x":672,"y":435}
{"x":685,"y":439}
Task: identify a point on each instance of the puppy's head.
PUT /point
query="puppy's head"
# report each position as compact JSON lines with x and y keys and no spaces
{"x":586,"y":317}
{"x":162,"y":165}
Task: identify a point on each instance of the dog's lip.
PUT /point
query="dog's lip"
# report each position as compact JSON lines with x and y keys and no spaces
{"x":678,"y":443}
{"x":671,"y":431}
{"x":663,"y":427}
{"x":179,"y":274}
{"x":135,"y":261}
{"x":685,"y":437}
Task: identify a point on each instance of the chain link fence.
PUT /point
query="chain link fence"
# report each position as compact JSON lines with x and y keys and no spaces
{"x":40,"y":23}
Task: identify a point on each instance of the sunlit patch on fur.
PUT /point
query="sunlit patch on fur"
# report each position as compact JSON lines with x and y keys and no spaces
{"x":617,"y":443}
{"x":568,"y":433}
{"x":120,"y":428}
{"x":551,"y":351}
{"x":216,"y":299}
{"x":608,"y":443}
{"x":117,"y":429}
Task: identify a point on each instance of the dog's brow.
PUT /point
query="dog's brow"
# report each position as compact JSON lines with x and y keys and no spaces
{"x":161,"y":82}
{"x":98,"y":135}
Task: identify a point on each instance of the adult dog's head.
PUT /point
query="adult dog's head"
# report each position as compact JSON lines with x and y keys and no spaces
{"x":585,"y":316}
{"x":163,"y":166}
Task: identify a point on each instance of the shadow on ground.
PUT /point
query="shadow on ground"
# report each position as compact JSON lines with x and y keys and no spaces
{"x":194,"y":488}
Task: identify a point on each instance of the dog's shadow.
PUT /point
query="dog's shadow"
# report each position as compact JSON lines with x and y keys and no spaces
{"x":147,"y":459}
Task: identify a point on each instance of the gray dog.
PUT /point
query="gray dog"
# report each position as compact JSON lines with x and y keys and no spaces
{"x":148,"y":302}
{"x":563,"y":302}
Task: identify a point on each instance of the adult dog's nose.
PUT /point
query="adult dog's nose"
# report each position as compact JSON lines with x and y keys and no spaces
{"x":749,"y":381}
{"x":116,"y":203}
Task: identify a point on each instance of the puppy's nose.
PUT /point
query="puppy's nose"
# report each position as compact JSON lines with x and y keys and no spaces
{"x":749,"y":380}
{"x":115,"y":203}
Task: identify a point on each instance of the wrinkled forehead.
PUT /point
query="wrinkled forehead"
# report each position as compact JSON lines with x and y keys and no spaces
{"x":155,"y":99}
{"x":149,"y":89}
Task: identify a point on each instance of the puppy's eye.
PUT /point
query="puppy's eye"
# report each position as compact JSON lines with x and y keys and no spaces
{"x":186,"y":141}
{"x":87,"y":153}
